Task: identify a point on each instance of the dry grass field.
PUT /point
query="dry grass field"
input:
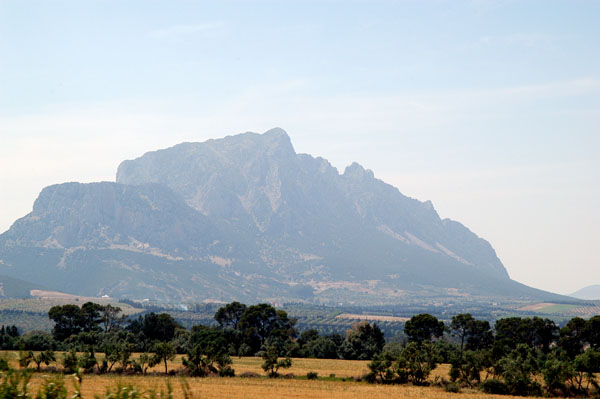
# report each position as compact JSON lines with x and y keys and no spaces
{"x":260,"y":386}
{"x":257,"y":388}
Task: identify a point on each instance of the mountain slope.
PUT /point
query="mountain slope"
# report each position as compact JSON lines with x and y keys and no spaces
{"x":591,"y":292}
{"x":245,"y":217}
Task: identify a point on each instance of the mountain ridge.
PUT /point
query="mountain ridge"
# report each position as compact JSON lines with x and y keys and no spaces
{"x":246,"y":217}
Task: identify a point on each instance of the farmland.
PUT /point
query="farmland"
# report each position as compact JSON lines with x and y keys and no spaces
{"x":333,"y":382}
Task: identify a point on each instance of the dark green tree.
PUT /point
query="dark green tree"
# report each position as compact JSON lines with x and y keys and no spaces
{"x":67,"y":319}
{"x":592,"y":331}
{"x":263,"y":321}
{"x":423,"y":327}
{"x":90,"y":317}
{"x":460,"y":327}
{"x":230,"y":315}
{"x":110,"y":317}
{"x":362,"y":342}
{"x":573,"y":337}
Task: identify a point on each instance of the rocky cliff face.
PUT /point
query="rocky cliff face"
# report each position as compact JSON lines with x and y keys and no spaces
{"x":245,"y":217}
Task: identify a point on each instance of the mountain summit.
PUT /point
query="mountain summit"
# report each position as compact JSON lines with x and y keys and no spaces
{"x":245,"y":217}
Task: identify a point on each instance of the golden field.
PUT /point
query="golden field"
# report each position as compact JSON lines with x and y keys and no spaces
{"x":256,"y":388}
{"x":262,"y":387}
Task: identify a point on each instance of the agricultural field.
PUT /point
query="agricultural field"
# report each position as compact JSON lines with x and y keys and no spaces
{"x":259,"y":388}
{"x":333,"y":382}
{"x":562,"y":311}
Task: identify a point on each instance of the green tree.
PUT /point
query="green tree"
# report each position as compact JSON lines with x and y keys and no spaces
{"x":155,"y":327}
{"x":557,"y":373}
{"x":460,"y":327}
{"x":202,"y":361}
{"x":466,"y":367}
{"x":586,"y":365}
{"x":573,"y":337}
{"x":517,"y":370}
{"x":70,"y":361}
{"x":67,"y":319}
{"x":263,"y":321}
{"x":45,"y":357}
{"x":423,"y":327}
{"x":163,"y":352}
{"x":413,"y":363}
{"x":110,"y":317}
{"x":208,"y":353}
{"x":362,"y":342}
{"x":230,"y":315}
{"x":534,"y":332}
{"x":90,"y":317}
{"x":272,"y":363}
{"x":145,"y":361}
{"x":592,"y":331}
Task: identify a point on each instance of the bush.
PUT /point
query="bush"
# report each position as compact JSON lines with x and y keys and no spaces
{"x":14,"y":384}
{"x":312,"y":375}
{"x":249,"y":374}
{"x":226,"y":371}
{"x":70,"y":361}
{"x":494,"y":386}
{"x":452,"y":388}
{"x":123,"y":392}
{"x":53,"y":388}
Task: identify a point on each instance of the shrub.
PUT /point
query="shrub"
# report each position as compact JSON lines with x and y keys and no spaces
{"x":452,"y":388}
{"x":249,"y":374}
{"x":70,"y":361}
{"x":312,"y":375}
{"x":14,"y":384}
{"x":227,"y":371}
{"x":494,"y":386}
{"x":53,"y":388}
{"x":123,"y":392}
{"x":4,"y":365}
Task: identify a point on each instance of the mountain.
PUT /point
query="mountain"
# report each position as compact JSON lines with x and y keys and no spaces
{"x":16,"y":288}
{"x":246,"y":217}
{"x":591,"y":292}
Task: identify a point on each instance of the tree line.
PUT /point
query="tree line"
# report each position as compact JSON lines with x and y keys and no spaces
{"x":512,"y":357}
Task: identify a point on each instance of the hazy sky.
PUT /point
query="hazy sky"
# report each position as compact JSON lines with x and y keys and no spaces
{"x":491,"y":109}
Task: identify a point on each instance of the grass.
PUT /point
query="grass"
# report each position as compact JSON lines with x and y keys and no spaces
{"x":262,"y":387}
{"x":255,"y":388}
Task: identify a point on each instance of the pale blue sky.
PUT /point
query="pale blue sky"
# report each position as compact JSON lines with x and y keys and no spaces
{"x":491,"y":109}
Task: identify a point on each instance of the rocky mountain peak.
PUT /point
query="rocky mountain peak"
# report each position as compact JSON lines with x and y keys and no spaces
{"x":356,"y":171}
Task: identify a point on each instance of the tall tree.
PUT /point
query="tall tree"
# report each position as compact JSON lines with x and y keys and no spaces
{"x":263,"y":321}
{"x":110,"y":318}
{"x":460,"y":326}
{"x":573,"y":337}
{"x":362,"y":342}
{"x":163,"y":352}
{"x":67,"y":319}
{"x":90,"y":316}
{"x":423,"y":327}
{"x":230,"y":315}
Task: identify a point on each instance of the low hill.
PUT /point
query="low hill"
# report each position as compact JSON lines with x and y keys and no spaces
{"x":16,"y":288}
{"x":591,"y":292}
